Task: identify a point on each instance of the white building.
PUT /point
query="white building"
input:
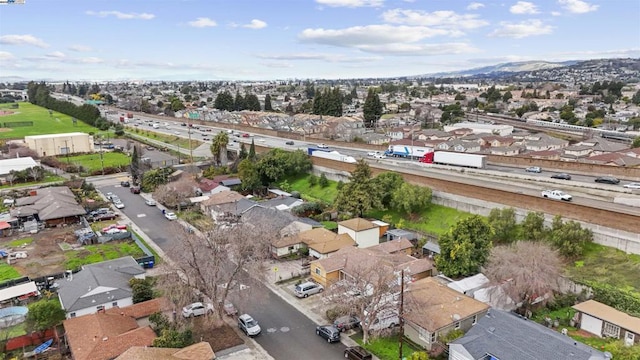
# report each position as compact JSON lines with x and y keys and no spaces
{"x":364,"y":232}
{"x":477,"y":128}
{"x":60,"y":144}
{"x":16,"y":164}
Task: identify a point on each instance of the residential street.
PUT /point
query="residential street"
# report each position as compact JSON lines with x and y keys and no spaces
{"x":286,"y":332}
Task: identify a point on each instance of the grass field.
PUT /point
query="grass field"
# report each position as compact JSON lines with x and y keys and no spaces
{"x":19,"y":242}
{"x":436,"y":219}
{"x":166,"y":138}
{"x":7,"y":272}
{"x":385,"y":348}
{"x":92,"y":162}
{"x":96,"y":253}
{"x":607,"y":265}
{"x":48,"y":178}
{"x":313,"y":193}
{"x":43,"y":123}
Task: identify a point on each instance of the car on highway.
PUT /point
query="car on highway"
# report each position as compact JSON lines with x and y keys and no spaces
{"x":534,"y":169}
{"x":328,"y":332}
{"x":323,"y":146}
{"x":633,"y":185}
{"x":372,"y":153}
{"x":357,"y":353}
{"x":196,"y":309}
{"x":346,"y":322}
{"x":171,"y":216}
{"x":150,"y":202}
{"x":607,"y":180}
{"x":245,"y":135}
{"x":556,"y":195}
{"x":289,"y":142}
{"x":561,"y":176}
{"x":248,"y":325}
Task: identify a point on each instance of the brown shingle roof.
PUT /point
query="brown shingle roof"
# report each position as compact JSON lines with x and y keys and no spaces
{"x":437,"y":306}
{"x":325,"y":241}
{"x":358,"y":224}
{"x":609,"y":314}
{"x":224,"y":197}
{"x":104,"y":336}
{"x":394,"y":246}
{"x":142,"y":309}
{"x":199,"y":351}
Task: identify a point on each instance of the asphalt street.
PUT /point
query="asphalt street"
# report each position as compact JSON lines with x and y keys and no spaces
{"x":286,"y":332}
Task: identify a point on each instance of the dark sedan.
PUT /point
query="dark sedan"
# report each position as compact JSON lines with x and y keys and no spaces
{"x":607,"y":180}
{"x":561,"y":176}
{"x":346,"y":322}
{"x":328,"y":332}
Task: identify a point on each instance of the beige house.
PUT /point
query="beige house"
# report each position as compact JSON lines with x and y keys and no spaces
{"x":60,"y":144}
{"x":363,"y":231}
{"x":436,"y":310}
{"x":604,"y":321}
{"x":322,"y":242}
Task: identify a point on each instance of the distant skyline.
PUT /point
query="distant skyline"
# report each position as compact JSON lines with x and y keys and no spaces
{"x":283,"y":39}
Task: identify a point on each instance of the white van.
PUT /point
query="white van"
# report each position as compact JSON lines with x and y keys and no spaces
{"x":385,"y":319}
{"x":156,"y":125}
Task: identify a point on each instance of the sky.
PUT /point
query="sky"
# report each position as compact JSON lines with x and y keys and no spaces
{"x":299,"y":39}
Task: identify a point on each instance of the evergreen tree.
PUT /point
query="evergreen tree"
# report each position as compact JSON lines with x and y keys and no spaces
{"x":252,"y":103}
{"x":239,"y":102}
{"x":252,"y":151}
{"x":372,"y":108}
{"x":224,"y":101}
{"x":267,"y":103}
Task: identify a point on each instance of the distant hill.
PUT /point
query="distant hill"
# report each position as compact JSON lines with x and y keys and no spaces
{"x":510,"y":67}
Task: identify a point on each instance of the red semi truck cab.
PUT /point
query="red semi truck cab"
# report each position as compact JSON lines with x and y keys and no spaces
{"x":427,"y":158}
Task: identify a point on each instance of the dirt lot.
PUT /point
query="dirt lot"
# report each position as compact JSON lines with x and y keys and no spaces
{"x":219,"y":335}
{"x":44,"y":255}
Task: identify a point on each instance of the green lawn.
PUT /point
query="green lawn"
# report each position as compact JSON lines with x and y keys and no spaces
{"x":607,"y":265}
{"x":316,"y":192}
{"x":48,"y":178}
{"x":166,"y":138}
{"x":330,"y":225}
{"x":43,"y":123}
{"x":14,"y":331}
{"x":19,"y":242}
{"x":96,"y":253}
{"x":385,"y":348}
{"x":7,"y":272}
{"x":93,"y":162}
{"x":436,"y":219}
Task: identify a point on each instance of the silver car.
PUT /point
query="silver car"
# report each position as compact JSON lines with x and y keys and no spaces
{"x":308,"y":288}
{"x":248,"y":325}
{"x":196,"y":309}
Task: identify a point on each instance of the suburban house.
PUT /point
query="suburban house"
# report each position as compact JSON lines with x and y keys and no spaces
{"x":322,"y":242}
{"x":502,"y":335}
{"x":210,"y":187}
{"x":53,"y":205}
{"x":226,"y":205}
{"x":348,"y":262}
{"x":364,"y":232}
{"x":437,"y":310}
{"x":99,"y":286}
{"x":197,"y":351}
{"x":104,"y":336}
{"x":142,"y":310}
{"x":604,"y":321}
{"x":283,"y":225}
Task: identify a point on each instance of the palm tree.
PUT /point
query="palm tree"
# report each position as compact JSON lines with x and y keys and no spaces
{"x":219,"y":147}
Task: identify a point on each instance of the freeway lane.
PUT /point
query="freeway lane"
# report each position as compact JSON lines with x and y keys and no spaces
{"x":286,"y":332}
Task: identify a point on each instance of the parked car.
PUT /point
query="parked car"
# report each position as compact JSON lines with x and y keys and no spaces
{"x":125,"y":184}
{"x":534,"y":169}
{"x":328,"y":332}
{"x":109,"y":195}
{"x":607,"y":180}
{"x":290,"y":143}
{"x":248,"y":325}
{"x":150,"y":202}
{"x":229,"y":308}
{"x":135,"y":189}
{"x":307,"y":288}
{"x":357,"y":353}
{"x":197,"y":309}
{"x":171,"y":216}
{"x":119,"y":205}
{"x":633,"y":185}
{"x":115,"y":199}
{"x":346,"y":322}
{"x":561,"y":176}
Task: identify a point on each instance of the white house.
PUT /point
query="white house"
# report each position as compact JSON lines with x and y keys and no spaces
{"x":16,"y":164}
{"x":477,"y":128}
{"x":364,"y":232}
{"x":99,"y":286}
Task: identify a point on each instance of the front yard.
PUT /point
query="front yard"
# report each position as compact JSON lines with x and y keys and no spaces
{"x":385,"y":348}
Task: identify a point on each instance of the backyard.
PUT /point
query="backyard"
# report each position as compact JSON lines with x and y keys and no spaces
{"x":94,"y":162}
{"x":607,"y":265}
{"x":43,"y":122}
{"x":48,"y":178}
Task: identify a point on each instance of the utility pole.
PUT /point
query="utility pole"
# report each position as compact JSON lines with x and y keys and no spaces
{"x":190,"y":147}
{"x":400,"y":315}
{"x":102,"y":160}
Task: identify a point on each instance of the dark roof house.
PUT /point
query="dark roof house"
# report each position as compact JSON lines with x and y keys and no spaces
{"x":52,"y":204}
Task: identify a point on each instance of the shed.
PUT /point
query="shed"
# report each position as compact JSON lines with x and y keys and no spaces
{"x":431,"y":248}
{"x":401,"y":233}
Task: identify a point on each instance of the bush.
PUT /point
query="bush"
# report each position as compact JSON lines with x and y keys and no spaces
{"x":323,"y":182}
{"x":306,"y":209}
{"x":451,"y":335}
{"x":562,"y":301}
{"x":313,"y":180}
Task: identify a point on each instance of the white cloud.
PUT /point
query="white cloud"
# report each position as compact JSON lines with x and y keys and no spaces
{"x":522,"y":29}
{"x":22,"y":40}
{"x":120,"y":15}
{"x":79,"y":48}
{"x":420,"y":49}
{"x":202,"y":22}
{"x":256,"y":24}
{"x":56,"y":55}
{"x":5,"y":56}
{"x":278,"y":65}
{"x":475,"y":6}
{"x":578,"y":6}
{"x":333,"y":58}
{"x":524,"y":7}
{"x":90,"y":60}
{"x":361,"y":36}
{"x":441,"y":19}
{"x":555,"y":13}
{"x":351,"y":3}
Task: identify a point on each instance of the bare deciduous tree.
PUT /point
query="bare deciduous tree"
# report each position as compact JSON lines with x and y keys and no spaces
{"x":526,"y":272}
{"x":36,"y":172}
{"x":22,"y":151}
{"x":214,"y":264}
{"x":370,"y":290}
{"x":176,"y":192}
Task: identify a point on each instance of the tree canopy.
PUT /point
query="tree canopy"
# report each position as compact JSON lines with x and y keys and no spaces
{"x":465,"y":247}
{"x":359,"y":195}
{"x":44,"y":314}
{"x":410,"y":199}
{"x":372,"y":109}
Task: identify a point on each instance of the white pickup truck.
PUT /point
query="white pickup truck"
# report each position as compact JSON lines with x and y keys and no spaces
{"x":557,"y":195}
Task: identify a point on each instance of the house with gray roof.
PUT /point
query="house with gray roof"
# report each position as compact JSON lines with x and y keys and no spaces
{"x":501,"y":335}
{"x":53,"y":205}
{"x":284,"y":203}
{"x":99,"y":286}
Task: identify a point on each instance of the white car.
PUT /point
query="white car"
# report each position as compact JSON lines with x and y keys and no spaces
{"x":633,"y":185}
{"x":196,"y":309}
{"x":323,"y":146}
{"x":119,"y":205}
{"x":248,"y":325}
{"x":171,"y":216}
{"x":372,"y":153}
{"x":150,"y":202}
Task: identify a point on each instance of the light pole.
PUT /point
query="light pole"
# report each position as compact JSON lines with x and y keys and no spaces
{"x":190,"y":148}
